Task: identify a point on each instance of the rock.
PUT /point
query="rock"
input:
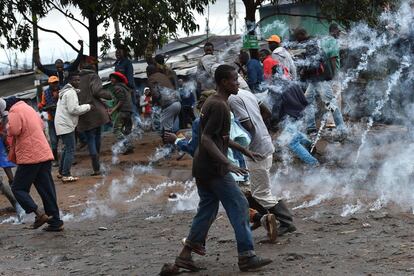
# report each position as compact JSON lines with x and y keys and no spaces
{"x":366,"y":225}
{"x":172,"y":196}
{"x":294,"y":256}
{"x":102,"y":228}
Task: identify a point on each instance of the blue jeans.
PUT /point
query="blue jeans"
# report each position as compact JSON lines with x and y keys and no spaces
{"x":54,"y":139}
{"x":68,"y":153}
{"x":226,"y":191}
{"x":325,"y":92}
{"x":297,"y":146}
{"x":93,"y":137}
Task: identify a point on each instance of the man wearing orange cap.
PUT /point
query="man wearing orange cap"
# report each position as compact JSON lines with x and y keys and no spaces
{"x":48,"y":103}
{"x":280,"y":54}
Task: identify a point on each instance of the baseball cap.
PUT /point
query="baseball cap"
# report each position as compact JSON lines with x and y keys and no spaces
{"x":274,"y":38}
{"x":53,"y":79}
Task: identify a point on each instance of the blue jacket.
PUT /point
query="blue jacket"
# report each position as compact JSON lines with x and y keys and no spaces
{"x":254,"y":74}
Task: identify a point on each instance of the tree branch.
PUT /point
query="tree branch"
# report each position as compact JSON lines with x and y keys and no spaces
{"x":68,"y":15}
{"x":51,"y":31}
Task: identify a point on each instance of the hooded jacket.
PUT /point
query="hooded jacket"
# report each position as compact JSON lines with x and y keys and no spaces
{"x":68,"y":110}
{"x":284,"y":57}
{"x":91,"y":92}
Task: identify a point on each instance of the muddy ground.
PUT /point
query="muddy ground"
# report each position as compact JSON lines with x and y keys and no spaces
{"x":116,"y":228}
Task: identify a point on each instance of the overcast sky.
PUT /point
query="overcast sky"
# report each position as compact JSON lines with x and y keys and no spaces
{"x":52,"y":47}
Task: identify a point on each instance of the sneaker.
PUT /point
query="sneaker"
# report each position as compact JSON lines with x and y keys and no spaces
{"x":286,"y":229}
{"x":269,"y":223}
{"x":20,"y":212}
{"x":252,"y":263}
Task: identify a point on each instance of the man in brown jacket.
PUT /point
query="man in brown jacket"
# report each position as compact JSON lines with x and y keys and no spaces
{"x":91,"y":92}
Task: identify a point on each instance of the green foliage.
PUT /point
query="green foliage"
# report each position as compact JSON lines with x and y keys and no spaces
{"x":348,"y":11}
{"x":154,"y":21}
{"x":14,"y":30}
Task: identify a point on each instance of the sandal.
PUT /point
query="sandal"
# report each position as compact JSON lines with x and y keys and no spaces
{"x":187,"y":264}
{"x":39,"y":221}
{"x":66,"y":179}
{"x":198,"y":249}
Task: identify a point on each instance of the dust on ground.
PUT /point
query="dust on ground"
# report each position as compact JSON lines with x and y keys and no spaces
{"x":117,"y":229}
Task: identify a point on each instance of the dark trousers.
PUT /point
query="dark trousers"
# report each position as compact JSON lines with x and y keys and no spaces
{"x":54,"y":139}
{"x":186,"y":116}
{"x":280,"y":210}
{"x":93,"y":137}
{"x":68,"y":153}
{"x":41,"y":176}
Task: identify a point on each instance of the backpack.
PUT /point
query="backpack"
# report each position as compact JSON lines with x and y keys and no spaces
{"x":320,"y":70}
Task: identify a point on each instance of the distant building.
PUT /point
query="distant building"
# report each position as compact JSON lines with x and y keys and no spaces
{"x":287,"y":16}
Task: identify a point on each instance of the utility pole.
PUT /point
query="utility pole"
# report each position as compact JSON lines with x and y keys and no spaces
{"x":230,"y":17}
{"x":208,"y":20}
{"x":235,"y":16}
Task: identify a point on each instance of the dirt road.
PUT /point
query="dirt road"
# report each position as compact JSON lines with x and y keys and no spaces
{"x":124,"y":224}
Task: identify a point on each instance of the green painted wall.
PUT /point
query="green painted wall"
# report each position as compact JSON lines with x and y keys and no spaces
{"x":284,"y":25}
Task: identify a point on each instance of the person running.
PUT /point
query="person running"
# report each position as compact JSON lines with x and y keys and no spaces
{"x":248,"y":110}
{"x":60,"y":70}
{"x":66,"y":120}
{"x":239,"y":135}
{"x":91,"y":92}
{"x":48,"y":103}
{"x":212,"y":169}
{"x":32,"y":154}
{"x":123,"y":111}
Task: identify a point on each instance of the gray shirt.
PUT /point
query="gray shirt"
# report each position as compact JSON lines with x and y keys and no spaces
{"x":245,"y":106}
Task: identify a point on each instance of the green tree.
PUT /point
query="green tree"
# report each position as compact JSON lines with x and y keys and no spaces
{"x":146,"y":24}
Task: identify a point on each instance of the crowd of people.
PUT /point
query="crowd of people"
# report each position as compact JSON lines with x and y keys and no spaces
{"x":232,"y":141}
{"x":232,"y":136}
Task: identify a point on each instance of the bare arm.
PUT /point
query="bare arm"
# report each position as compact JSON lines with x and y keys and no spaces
{"x":215,"y":153}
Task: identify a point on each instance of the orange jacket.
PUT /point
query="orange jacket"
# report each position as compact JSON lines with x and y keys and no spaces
{"x":30,"y":145}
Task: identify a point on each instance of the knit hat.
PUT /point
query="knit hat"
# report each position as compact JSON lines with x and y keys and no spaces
{"x":120,"y":77}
